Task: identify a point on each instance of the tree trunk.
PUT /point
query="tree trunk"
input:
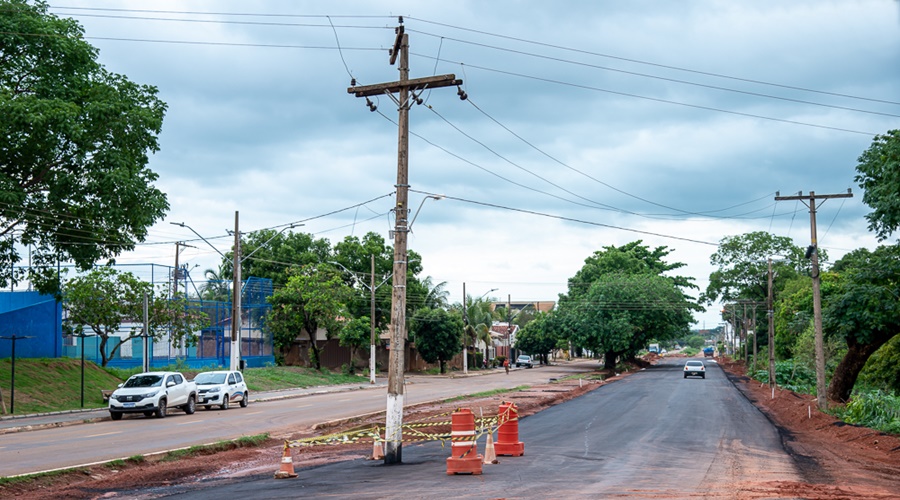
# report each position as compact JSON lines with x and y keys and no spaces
{"x":441,"y":364}
{"x":609,"y":360}
{"x":314,"y":352}
{"x":848,"y":369}
{"x":103,"y":359}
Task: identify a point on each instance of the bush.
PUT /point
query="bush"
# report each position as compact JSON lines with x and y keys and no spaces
{"x":874,"y":409}
{"x":790,"y":375}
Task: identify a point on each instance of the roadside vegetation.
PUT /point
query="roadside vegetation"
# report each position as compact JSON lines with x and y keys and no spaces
{"x":49,"y":385}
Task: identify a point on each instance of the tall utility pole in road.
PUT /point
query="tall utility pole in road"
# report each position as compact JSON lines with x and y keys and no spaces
{"x":372,"y":321}
{"x":813,"y":253}
{"x":396,"y":363}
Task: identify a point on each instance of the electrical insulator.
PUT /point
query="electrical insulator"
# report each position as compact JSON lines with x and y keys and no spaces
{"x":371,"y":105}
{"x":462,"y":94}
{"x":353,"y":82}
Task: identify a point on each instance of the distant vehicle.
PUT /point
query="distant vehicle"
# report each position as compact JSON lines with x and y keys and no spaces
{"x":153,"y":393}
{"x":654,"y":348}
{"x":708,"y":351}
{"x":221,"y":388}
{"x":524,"y":360}
{"x":694,"y":368}
{"x":664,"y":351}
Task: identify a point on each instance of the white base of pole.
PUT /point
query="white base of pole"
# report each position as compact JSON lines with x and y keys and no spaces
{"x":393,"y":430}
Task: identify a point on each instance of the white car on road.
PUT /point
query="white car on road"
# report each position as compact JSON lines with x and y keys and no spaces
{"x":153,"y":393}
{"x":221,"y":388}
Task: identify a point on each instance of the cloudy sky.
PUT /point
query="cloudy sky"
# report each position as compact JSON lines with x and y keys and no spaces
{"x":588,"y":124}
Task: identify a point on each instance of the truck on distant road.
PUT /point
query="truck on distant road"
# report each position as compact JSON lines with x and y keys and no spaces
{"x":708,"y":351}
{"x":654,"y":348}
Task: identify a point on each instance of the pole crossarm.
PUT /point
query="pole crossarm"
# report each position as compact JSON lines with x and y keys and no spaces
{"x":813,"y":196}
{"x":428,"y":82}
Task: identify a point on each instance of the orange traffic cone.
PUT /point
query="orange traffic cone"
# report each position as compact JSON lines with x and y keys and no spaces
{"x":377,"y":450}
{"x":490,"y":456}
{"x":287,"y":464}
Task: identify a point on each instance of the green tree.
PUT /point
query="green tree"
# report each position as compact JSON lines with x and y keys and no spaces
{"x":436,"y":333}
{"x":477,"y":318}
{"x":538,"y":337}
{"x":270,"y":255}
{"x":105,"y":299}
{"x":621,"y":312}
{"x":355,"y":255}
{"x":313,"y":297}
{"x":216,"y":288}
{"x":879,"y":177}
{"x":864,"y":310}
{"x":882,"y":371}
{"x":356,"y":335}
{"x":742,"y":267}
{"x":76,"y":138}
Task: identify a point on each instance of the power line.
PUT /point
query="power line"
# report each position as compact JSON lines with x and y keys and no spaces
{"x":658,"y":65}
{"x":567,"y":219}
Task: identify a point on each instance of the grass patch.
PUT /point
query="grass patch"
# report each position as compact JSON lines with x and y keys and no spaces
{"x":28,"y":478}
{"x":208,"y":449}
{"x":286,"y":377}
{"x":54,"y":384}
{"x":486,"y":394}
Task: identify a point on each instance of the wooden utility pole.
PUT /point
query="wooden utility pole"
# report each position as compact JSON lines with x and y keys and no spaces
{"x":396,"y":364}
{"x":813,"y":254}
{"x":235,"y":358}
{"x":372,"y":322}
{"x":465,"y":332}
{"x":770,"y":313}
{"x":755,"y":334}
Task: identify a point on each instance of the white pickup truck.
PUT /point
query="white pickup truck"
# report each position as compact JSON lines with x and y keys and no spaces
{"x":153,"y":393}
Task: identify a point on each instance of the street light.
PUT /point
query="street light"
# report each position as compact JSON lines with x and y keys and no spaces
{"x":436,"y":197}
{"x":371,"y":289}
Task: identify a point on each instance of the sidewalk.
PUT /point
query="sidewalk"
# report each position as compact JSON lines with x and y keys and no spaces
{"x":20,"y":423}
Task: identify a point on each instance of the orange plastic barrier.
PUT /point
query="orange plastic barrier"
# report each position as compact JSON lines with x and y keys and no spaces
{"x":508,"y":434}
{"x":464,"y":457}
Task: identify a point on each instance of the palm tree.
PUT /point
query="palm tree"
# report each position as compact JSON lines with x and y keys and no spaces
{"x":216,"y":288}
{"x":478,"y":328}
{"x":437,"y":294}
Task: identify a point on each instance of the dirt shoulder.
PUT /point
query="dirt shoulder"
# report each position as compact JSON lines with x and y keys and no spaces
{"x":835,"y":460}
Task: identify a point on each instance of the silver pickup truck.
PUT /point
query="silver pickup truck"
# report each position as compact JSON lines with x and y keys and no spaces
{"x":153,"y":393}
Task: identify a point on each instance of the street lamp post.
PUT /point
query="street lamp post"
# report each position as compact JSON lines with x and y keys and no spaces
{"x":371,"y":287}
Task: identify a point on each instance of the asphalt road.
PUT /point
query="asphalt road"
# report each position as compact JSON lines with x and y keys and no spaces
{"x":74,"y":445}
{"x":653,"y":434}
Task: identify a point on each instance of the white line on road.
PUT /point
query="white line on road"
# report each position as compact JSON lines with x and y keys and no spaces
{"x":304,"y":406}
{"x":192,"y":422}
{"x":104,"y":434}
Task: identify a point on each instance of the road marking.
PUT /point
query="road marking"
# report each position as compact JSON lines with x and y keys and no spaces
{"x":192,"y":422}
{"x":304,"y":406}
{"x":104,"y":434}
{"x":254,"y":413}
{"x":346,"y":399}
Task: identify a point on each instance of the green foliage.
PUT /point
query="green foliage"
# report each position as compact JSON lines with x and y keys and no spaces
{"x":863,"y":309}
{"x":270,"y":250}
{"x":437,"y":334}
{"x":877,"y":410}
{"x":313,"y":297}
{"x":73,"y":176}
{"x":538,"y":337}
{"x":742,"y":269}
{"x":879,"y":177}
{"x":696,"y":341}
{"x":882,"y":371}
{"x":790,"y":375}
{"x":104,"y":299}
{"x":356,"y":335}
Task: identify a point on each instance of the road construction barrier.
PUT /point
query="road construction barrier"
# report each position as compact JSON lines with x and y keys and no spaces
{"x":464,"y":457}
{"x":508,"y":433}
{"x":287,"y":464}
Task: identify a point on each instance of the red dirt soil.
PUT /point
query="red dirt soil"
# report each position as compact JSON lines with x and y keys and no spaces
{"x":837,"y":461}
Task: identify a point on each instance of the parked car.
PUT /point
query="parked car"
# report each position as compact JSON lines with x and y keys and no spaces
{"x":221,"y":388}
{"x":695,"y":368}
{"x":153,"y":393}
{"x":524,"y":360}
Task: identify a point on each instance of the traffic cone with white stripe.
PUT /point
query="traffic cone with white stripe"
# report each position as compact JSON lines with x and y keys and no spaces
{"x":490,"y":456}
{"x":377,"y":448}
{"x":287,"y":464}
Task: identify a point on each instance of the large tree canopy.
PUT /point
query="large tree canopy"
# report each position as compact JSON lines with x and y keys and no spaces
{"x":73,"y":179}
{"x":621,"y":298}
{"x":879,"y":178}
{"x":864,"y":310}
